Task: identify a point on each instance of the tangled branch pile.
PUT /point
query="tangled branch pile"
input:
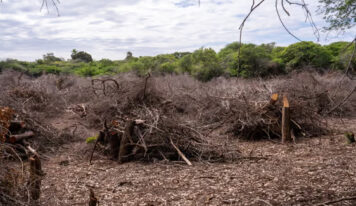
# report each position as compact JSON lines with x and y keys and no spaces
{"x":196,"y":116}
{"x":25,"y":107}
{"x":149,"y":123}
{"x":161,"y":117}
{"x":312,"y":96}
{"x":34,"y":102}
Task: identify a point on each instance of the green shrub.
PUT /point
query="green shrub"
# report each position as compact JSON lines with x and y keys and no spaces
{"x":179,"y":55}
{"x":336,"y":48}
{"x":49,"y":57}
{"x":341,"y":53}
{"x":138,"y":67}
{"x":255,"y":61}
{"x":105,"y":63}
{"x":303,"y":54}
{"x":124,"y":68}
{"x":185,"y":64}
{"x":228,"y":49}
{"x":206,"y":64}
{"x":87,"y":71}
{"x":168,"y":67}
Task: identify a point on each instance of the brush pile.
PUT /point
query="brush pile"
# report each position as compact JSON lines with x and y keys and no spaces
{"x":247,"y":112}
{"x":12,"y":138}
{"x":157,"y":117}
{"x":25,"y":106}
{"x":172,"y":117}
{"x":193,"y":115}
{"x":146,"y":124}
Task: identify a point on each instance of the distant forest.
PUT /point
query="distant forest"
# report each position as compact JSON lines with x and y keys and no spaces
{"x":204,"y":64}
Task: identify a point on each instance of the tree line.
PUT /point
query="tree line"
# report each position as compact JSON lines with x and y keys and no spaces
{"x":204,"y":64}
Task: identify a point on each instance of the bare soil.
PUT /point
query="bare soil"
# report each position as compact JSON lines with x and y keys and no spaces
{"x":310,"y":172}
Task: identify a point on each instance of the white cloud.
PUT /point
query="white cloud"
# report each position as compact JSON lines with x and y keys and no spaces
{"x":107,"y":29}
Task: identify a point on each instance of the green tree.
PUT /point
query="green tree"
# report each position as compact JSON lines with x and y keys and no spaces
{"x":228,"y":49}
{"x":87,"y":70}
{"x":228,"y":58}
{"x":341,"y":53}
{"x":256,"y":61}
{"x":186,"y":64}
{"x":49,"y":57}
{"x":277,"y":53}
{"x":336,"y":48}
{"x":206,"y":64}
{"x":169,"y":67}
{"x":340,"y":14}
{"x":303,"y":54}
{"x":180,"y":55}
{"x":165,"y":63}
{"x":128,"y":56}
{"x":81,"y":56}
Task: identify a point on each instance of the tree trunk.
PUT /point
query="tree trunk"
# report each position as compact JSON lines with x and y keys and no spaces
{"x":16,"y":126}
{"x":114,"y":140}
{"x":126,"y":140}
{"x":286,"y":132}
{"x":35,"y":177}
{"x":93,"y":201}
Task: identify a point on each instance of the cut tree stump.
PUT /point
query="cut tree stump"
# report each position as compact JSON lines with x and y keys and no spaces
{"x":93,"y":201}
{"x":35,"y":177}
{"x":286,"y":132}
{"x":101,"y":138}
{"x":126,"y":140}
{"x":274,"y":99}
{"x":15,"y":126}
{"x":114,"y":142}
{"x":350,"y":137}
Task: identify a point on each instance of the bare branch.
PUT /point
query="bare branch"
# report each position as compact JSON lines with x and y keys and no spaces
{"x":336,"y":201}
{"x":253,"y":7}
{"x":302,"y":4}
{"x":308,"y":15}
{"x":343,"y":101}
{"x":54,"y":3}
{"x":284,"y":26}
{"x":284,"y":8}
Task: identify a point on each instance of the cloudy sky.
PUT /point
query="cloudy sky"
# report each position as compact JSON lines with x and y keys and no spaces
{"x":110,"y":28}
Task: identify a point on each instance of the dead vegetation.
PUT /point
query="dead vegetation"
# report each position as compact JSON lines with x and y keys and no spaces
{"x":166,"y":118}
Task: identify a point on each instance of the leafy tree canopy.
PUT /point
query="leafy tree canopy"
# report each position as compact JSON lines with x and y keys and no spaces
{"x":204,"y":64}
{"x":49,"y":57}
{"x":340,"y":14}
{"x":82,"y":56}
{"x":306,"y":54}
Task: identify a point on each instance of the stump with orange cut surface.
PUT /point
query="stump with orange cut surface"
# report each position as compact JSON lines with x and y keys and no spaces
{"x":286,"y":130}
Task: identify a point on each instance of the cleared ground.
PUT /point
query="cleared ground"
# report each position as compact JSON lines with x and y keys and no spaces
{"x":310,"y":172}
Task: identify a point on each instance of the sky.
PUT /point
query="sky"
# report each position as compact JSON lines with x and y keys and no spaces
{"x":110,"y":28}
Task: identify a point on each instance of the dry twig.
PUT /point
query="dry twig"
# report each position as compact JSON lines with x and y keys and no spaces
{"x":336,"y":201}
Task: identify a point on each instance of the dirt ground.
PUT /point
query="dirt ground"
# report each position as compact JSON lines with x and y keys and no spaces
{"x":310,"y":172}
